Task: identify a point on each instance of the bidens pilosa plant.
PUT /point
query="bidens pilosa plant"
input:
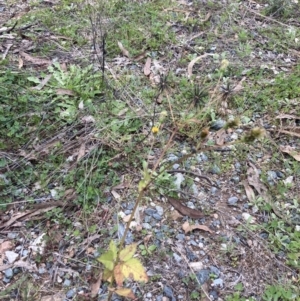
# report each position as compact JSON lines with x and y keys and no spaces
{"x":120,"y":264}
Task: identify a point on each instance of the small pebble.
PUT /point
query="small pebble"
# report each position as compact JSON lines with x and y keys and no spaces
{"x":12,"y":235}
{"x":6,"y":280}
{"x":232,"y":201}
{"x":157,"y":216}
{"x":180,"y":236}
{"x":147,"y":219}
{"x":150,"y":211}
{"x":213,"y":190}
{"x":203,"y":276}
{"x":177,"y":257}
{"x":215,"y":271}
{"x":172,"y":157}
{"x":71,"y":293}
{"x":169,"y":293}
{"x":213,"y":295}
{"x":176,"y":166}
{"x":215,"y":170}
{"x":67,"y":282}
{"x":146,"y":226}
{"x":218,"y":283}
{"x":237,"y":166}
{"x":218,"y":124}
{"x":8,"y":273}
{"x":160,"y":210}
{"x":191,"y":205}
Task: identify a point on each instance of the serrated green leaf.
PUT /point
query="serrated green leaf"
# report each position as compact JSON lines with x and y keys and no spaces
{"x":133,"y":268}
{"x":107,"y":275}
{"x":108,"y":260}
{"x":128,"y":252}
{"x":114,"y":249}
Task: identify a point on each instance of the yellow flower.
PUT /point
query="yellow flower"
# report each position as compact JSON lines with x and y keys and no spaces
{"x":155,"y":130}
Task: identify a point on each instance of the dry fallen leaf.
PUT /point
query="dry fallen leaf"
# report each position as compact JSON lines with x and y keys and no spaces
{"x":286,"y":116}
{"x":188,"y":228}
{"x":249,"y":192}
{"x":96,"y":286}
{"x":147,"y":66}
{"x":35,"y":60}
{"x":65,"y":92}
{"x":220,"y":137}
{"x":56,"y":297}
{"x":195,"y":60}
{"x":175,"y":215}
{"x":184,"y":210}
{"x":81,"y":151}
{"x":21,"y":63}
{"x":115,"y":194}
{"x":291,"y":151}
{"x":125,"y":52}
{"x":5,"y":246}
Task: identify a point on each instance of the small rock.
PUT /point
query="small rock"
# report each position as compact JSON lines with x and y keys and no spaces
{"x":129,"y":236}
{"x":191,"y":205}
{"x":148,"y":295}
{"x":237,"y":166}
{"x":218,"y":283}
{"x":232,"y":201}
{"x":218,"y":124}
{"x":215,"y":170}
{"x":130,"y":206}
{"x":67,"y":282}
{"x":147,"y":219}
{"x":179,"y":180}
{"x":176,"y":166}
{"x":157,"y":216}
{"x":271,"y":176}
{"x":177,"y":257}
{"x":169,"y":293}
{"x":146,"y":226}
{"x":236,"y":179}
{"x":8,"y":273}
{"x":71,"y":293}
{"x":279,"y":174}
{"x":180,"y":237}
{"x":172,"y":157}
{"x":201,"y":157}
{"x":248,"y":218}
{"x":190,"y":255}
{"x":234,"y":136}
{"x":11,"y":256}
{"x":203,"y":276}
{"x":213,"y":295}
{"x":213,"y":190}
{"x":160,"y":210}
{"x":215,"y":271}
{"x":150,"y":211}
{"x":42,"y":271}
{"x":6,"y":280}
{"x":12,"y":235}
